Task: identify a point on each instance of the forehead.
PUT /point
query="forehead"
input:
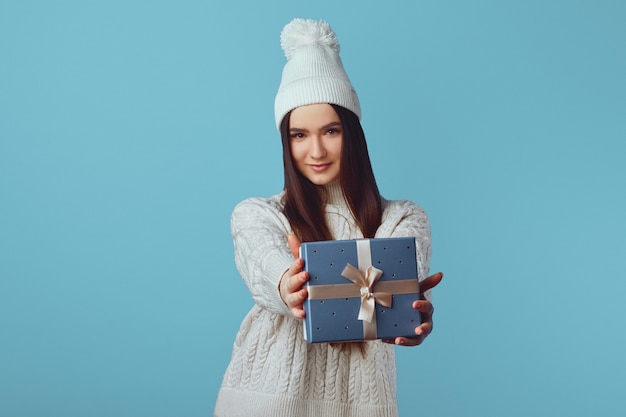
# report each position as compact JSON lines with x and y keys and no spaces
{"x":313,"y":116}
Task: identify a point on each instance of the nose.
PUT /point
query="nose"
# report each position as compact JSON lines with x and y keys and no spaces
{"x":318,"y":150}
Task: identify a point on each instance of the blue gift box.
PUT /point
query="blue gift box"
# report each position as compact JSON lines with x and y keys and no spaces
{"x":344,"y":305}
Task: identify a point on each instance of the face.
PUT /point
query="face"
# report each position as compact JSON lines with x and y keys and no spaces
{"x":316,"y":141}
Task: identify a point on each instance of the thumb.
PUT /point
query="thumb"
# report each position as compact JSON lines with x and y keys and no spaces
{"x":294,"y":245}
{"x":431,"y":282}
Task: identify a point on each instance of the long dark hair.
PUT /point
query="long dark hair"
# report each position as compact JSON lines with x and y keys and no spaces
{"x":304,"y":201}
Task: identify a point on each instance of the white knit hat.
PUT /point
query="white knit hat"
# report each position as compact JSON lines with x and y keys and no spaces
{"x":314,"y":72}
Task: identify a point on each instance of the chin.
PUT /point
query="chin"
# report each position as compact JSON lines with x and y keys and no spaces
{"x":322,"y":181}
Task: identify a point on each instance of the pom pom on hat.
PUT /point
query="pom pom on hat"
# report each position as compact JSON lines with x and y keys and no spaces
{"x":314,"y":72}
{"x":300,"y":32}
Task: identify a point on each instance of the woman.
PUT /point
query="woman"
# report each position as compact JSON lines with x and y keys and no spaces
{"x":330,"y":193}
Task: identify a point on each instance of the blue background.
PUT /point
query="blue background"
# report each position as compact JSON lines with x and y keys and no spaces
{"x":130,"y":129}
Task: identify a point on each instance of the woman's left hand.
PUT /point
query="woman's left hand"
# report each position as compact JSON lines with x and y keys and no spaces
{"x":426,"y":308}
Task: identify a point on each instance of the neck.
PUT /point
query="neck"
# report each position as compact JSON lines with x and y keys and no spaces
{"x":335,"y":193}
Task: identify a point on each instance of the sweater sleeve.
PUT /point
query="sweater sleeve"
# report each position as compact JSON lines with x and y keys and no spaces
{"x":407,"y":219}
{"x":262,"y":254}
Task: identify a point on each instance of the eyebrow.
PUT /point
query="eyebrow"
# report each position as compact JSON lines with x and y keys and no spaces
{"x":325,"y":127}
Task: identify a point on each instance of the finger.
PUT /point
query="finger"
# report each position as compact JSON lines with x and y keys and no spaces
{"x":424,"y":306}
{"x":427,"y":310}
{"x":291,"y":282}
{"x":296,"y":282}
{"x":296,"y":302}
{"x":408,"y":341}
{"x":424,"y":329}
{"x":298,"y":312}
{"x":431,"y":282}
{"x":294,"y":245}
{"x":294,"y":269}
{"x":296,"y":293}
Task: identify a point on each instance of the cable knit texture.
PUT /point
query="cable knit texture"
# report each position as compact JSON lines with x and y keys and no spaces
{"x":273,"y":372}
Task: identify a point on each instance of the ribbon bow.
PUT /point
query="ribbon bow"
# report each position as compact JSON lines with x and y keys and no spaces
{"x":366,"y":280}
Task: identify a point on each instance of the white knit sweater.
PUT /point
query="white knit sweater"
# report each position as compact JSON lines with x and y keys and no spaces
{"x":273,"y":372}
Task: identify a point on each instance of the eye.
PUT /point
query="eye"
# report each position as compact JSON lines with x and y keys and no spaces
{"x":333,"y":131}
{"x":297,"y":135}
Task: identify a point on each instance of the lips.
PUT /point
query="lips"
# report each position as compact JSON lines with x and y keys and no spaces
{"x":319,"y":167}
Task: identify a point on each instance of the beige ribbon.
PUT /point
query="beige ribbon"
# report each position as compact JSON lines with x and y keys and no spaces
{"x":366,"y":282}
{"x":365,"y":285}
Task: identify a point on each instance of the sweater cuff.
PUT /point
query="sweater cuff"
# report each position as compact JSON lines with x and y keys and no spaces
{"x":276,"y":268}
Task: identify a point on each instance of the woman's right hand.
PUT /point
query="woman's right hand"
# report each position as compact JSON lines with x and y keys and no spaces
{"x":292,"y":282}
